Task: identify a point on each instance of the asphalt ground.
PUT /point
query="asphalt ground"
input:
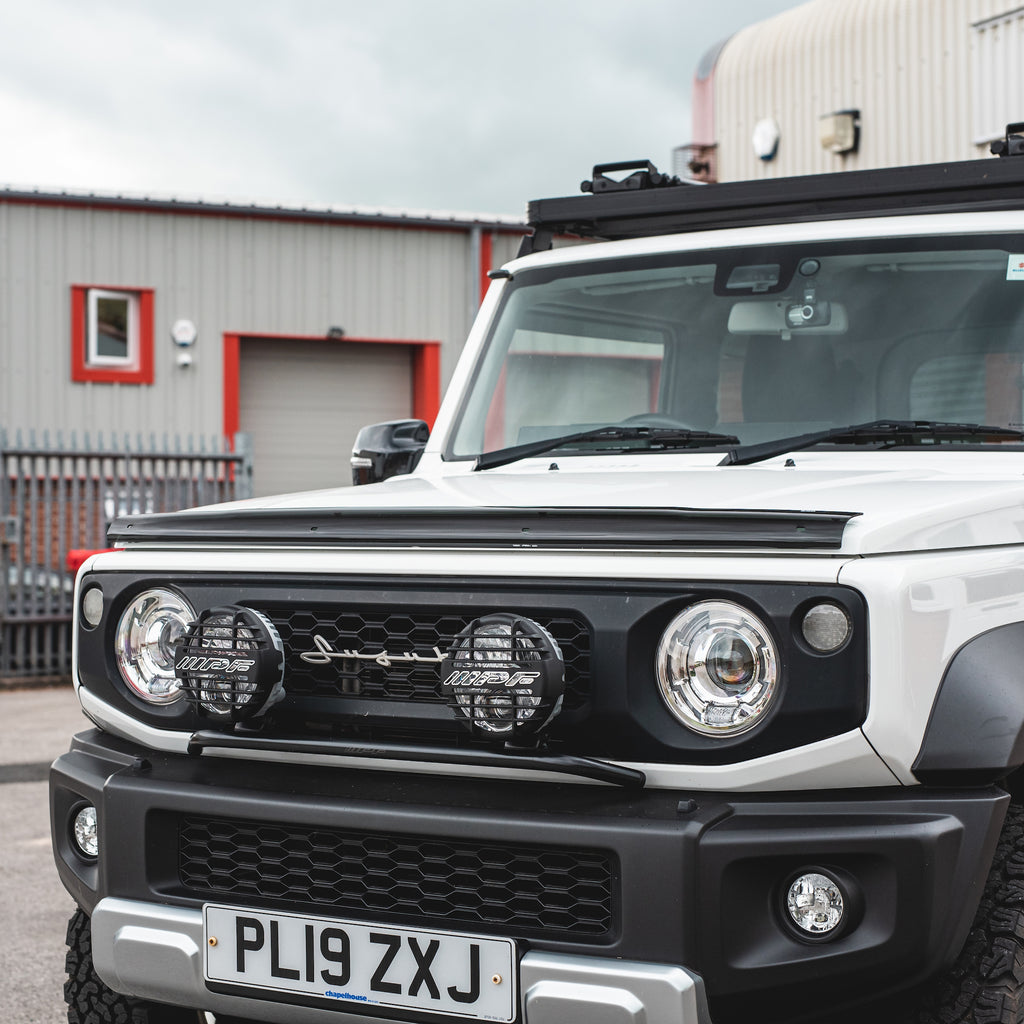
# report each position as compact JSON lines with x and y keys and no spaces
{"x":35,"y":726}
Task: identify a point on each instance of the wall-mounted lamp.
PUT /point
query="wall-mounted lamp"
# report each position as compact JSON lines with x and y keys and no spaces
{"x":184,"y":333}
{"x":839,"y":132}
{"x":334,"y":333}
{"x":765,"y":138}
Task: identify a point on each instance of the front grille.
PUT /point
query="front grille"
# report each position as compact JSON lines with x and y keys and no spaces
{"x":415,"y":632}
{"x":514,"y":890}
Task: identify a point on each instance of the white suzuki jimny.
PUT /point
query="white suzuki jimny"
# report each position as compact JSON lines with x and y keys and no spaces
{"x":676,"y":676}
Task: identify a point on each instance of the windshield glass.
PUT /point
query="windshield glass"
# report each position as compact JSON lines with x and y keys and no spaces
{"x":760,"y":343}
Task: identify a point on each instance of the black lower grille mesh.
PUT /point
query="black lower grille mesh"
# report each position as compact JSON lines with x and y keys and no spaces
{"x":307,"y":630}
{"x":502,"y":889}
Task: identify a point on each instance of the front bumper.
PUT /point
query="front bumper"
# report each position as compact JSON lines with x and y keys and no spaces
{"x":694,"y":886}
{"x":155,"y":952}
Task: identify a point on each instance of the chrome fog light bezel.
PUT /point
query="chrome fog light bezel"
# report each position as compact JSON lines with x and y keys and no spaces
{"x":842,"y":898}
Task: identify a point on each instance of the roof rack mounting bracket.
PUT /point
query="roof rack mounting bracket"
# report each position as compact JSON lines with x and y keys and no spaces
{"x":1013,"y":142}
{"x":645,"y":175}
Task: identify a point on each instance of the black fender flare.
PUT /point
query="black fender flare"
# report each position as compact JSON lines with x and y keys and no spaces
{"x":975,"y":734}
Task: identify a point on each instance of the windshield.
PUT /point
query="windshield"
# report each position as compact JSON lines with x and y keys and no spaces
{"x":756,"y":343}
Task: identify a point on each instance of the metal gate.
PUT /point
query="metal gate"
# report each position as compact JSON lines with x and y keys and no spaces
{"x":57,"y":499}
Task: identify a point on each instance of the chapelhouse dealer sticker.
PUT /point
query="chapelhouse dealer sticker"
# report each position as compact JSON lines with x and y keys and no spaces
{"x":1015,"y":267}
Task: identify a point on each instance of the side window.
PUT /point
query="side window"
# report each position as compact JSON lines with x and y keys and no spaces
{"x":983,"y":387}
{"x":555,"y":382}
{"x":111,"y":335}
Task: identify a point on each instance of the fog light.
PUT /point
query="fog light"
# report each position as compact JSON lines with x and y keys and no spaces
{"x":230,"y":662}
{"x":815,"y":904}
{"x":505,"y":676}
{"x":85,"y":833}
{"x":826,"y":627}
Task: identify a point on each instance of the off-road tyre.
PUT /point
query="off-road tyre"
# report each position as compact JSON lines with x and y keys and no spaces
{"x":89,"y":999}
{"x":986,"y":984}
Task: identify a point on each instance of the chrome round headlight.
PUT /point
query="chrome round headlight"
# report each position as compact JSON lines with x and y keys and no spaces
{"x":146,"y":636}
{"x":717,"y":668}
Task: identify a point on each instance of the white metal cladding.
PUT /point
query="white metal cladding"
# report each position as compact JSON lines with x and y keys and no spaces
{"x":998,"y":45}
{"x":916,"y":70}
{"x":228,"y":272}
{"x":338,"y":386}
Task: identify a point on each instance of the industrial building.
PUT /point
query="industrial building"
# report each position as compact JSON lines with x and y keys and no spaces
{"x":832,"y":85}
{"x":161,"y":353}
{"x":142,"y":316}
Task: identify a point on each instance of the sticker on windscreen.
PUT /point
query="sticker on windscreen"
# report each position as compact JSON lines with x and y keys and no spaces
{"x":1015,"y":267}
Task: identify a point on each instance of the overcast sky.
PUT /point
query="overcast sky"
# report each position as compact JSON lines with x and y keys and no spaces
{"x":464,"y":105}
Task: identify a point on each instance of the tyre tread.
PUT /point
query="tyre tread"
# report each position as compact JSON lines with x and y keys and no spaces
{"x":986,"y":984}
{"x":91,"y":1001}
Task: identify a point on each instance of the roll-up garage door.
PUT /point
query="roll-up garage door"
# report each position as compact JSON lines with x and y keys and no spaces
{"x":303,"y":401}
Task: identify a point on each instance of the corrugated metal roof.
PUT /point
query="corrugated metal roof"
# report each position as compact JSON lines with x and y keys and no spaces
{"x":391,"y":217}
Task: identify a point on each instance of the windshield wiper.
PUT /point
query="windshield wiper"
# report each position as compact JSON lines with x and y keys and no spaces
{"x":898,"y":432}
{"x":659,"y":437}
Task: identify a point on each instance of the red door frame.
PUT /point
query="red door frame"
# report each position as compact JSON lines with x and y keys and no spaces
{"x":426,"y":372}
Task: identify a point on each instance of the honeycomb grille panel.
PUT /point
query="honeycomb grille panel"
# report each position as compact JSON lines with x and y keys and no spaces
{"x":503,"y":889}
{"x":401,"y":633}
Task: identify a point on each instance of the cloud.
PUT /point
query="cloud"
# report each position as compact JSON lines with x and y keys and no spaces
{"x":452,"y":104}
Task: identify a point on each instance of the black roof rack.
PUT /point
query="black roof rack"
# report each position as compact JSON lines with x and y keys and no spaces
{"x":649,"y":203}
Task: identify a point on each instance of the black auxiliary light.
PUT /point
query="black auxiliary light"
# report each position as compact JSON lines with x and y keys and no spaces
{"x":505,"y":676}
{"x":230,"y":663}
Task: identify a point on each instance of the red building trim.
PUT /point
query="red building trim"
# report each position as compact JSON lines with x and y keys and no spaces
{"x":81,"y":371}
{"x":486,"y":258}
{"x":426,"y":381}
{"x":232,"y":345}
{"x":426,"y":372}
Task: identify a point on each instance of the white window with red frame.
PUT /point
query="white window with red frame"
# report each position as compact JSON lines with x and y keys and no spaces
{"x":111,"y":334}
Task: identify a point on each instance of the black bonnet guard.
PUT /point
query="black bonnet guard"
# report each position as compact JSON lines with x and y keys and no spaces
{"x":612,"y":528}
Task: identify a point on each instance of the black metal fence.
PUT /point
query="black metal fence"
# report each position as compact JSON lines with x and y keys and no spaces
{"x":57,"y":498}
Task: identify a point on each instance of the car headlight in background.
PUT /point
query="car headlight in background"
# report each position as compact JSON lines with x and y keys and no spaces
{"x":145,"y":642}
{"x":717,"y":668}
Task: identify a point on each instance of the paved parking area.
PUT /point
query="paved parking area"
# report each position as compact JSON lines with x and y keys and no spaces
{"x":35,"y":726}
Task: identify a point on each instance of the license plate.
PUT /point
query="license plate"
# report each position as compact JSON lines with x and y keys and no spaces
{"x":351,"y":962}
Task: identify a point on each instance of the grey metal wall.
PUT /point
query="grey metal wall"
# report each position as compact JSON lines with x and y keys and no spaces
{"x":227,"y":272}
{"x":928,"y":76}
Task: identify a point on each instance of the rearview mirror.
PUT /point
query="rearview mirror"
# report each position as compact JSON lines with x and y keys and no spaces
{"x":383,"y":450}
{"x":781,"y":317}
